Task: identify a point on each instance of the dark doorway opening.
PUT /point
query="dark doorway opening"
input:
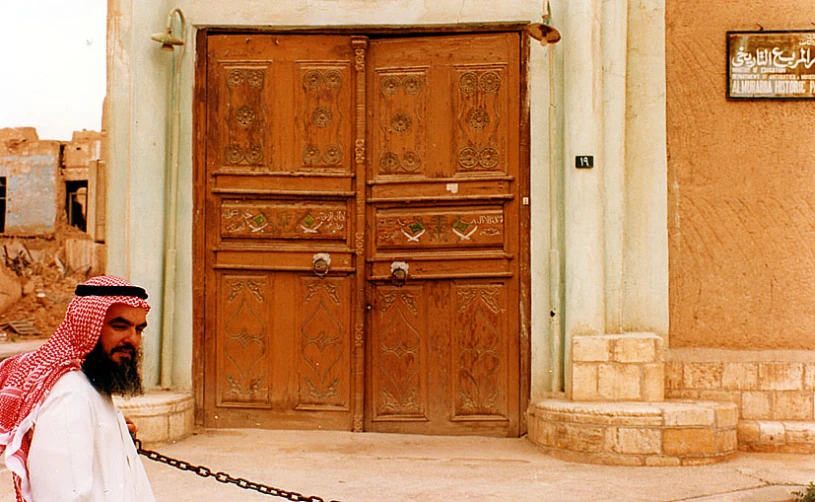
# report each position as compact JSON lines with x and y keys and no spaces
{"x":76,"y":203}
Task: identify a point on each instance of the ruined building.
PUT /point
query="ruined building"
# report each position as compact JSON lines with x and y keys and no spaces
{"x":53,"y":192}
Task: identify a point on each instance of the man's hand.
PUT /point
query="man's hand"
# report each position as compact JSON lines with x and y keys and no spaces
{"x":132,"y":428}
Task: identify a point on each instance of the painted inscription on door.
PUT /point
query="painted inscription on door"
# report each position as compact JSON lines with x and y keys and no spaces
{"x":434,"y":228}
{"x":284,"y":220}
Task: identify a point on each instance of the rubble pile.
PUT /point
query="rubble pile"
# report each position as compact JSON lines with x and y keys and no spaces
{"x":46,"y":284}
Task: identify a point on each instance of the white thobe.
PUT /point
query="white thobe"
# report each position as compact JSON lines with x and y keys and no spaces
{"x":81,"y":449}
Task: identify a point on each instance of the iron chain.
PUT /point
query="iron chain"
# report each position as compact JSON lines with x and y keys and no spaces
{"x":222,"y":477}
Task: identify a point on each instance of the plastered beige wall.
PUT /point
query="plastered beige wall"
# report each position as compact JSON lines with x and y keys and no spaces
{"x":741,"y":191}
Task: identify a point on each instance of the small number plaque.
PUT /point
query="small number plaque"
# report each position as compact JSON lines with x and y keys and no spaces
{"x":584,"y":161}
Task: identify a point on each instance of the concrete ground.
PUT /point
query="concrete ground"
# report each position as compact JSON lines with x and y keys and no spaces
{"x":392,"y":467}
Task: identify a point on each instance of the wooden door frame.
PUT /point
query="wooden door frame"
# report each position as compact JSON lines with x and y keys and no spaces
{"x":203,"y":332}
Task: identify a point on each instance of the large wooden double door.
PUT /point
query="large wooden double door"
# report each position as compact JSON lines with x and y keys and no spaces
{"x":358,"y":202}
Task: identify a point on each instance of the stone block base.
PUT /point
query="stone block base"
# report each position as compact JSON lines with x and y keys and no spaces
{"x":625,"y":367}
{"x":774,"y":391}
{"x":776,"y":436}
{"x":669,"y":433}
{"x":161,"y":416}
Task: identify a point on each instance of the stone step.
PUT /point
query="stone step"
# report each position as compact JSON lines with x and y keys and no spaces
{"x":667,"y":433}
{"x":777,"y":436}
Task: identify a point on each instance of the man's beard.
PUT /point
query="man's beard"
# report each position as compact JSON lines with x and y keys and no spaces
{"x":108,"y":376}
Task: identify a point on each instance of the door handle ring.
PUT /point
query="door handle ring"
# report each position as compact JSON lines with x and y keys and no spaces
{"x":399,"y":273}
{"x":321,"y":264}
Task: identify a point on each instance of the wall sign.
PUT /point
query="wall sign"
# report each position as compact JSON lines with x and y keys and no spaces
{"x":771,"y":64}
{"x":584,"y":161}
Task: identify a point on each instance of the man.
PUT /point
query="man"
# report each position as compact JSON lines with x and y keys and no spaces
{"x":63,"y":437}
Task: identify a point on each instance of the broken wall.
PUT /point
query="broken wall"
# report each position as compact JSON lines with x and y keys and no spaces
{"x":31,"y":168}
{"x":83,"y":161}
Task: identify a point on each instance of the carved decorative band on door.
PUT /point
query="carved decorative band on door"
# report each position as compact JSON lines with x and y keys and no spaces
{"x":268,"y":220}
{"x":440,"y":228}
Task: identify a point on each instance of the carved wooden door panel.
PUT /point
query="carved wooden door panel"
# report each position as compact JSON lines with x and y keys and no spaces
{"x":280,"y":208}
{"x":443,"y":228}
{"x":361,"y":241}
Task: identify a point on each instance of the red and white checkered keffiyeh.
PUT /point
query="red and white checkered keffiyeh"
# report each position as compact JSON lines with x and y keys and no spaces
{"x":27,"y":378}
